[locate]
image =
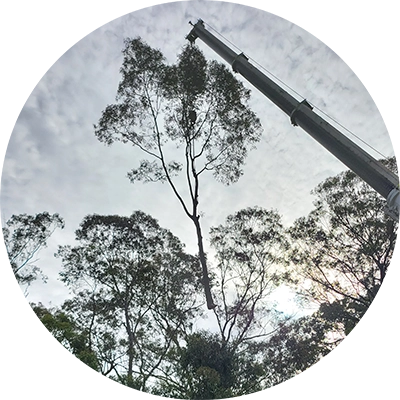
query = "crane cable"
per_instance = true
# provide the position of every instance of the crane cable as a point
(296, 93)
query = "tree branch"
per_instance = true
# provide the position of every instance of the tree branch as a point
(188, 161)
(208, 138)
(162, 159)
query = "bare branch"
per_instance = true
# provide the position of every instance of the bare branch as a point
(188, 161)
(209, 136)
(162, 159)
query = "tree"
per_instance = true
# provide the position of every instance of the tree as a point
(209, 363)
(64, 329)
(24, 236)
(208, 368)
(294, 347)
(194, 107)
(343, 248)
(136, 293)
(250, 250)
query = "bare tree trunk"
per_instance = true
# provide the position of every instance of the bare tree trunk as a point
(131, 341)
(203, 262)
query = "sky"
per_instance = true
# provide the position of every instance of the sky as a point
(54, 162)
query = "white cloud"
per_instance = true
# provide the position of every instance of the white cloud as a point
(56, 164)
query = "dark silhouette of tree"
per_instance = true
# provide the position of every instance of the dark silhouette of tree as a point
(208, 368)
(137, 293)
(294, 347)
(342, 249)
(188, 119)
(250, 249)
(24, 236)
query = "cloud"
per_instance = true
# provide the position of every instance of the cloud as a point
(55, 163)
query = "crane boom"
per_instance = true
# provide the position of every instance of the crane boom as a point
(373, 172)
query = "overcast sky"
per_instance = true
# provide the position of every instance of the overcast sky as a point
(53, 162)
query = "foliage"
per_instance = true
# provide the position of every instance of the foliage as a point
(249, 249)
(342, 249)
(133, 278)
(210, 362)
(187, 119)
(296, 346)
(24, 236)
(208, 368)
(151, 90)
(64, 329)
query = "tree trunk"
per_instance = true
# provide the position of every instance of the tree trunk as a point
(130, 348)
(203, 262)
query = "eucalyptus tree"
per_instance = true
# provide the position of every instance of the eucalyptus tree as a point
(195, 107)
(249, 251)
(24, 236)
(137, 293)
(341, 251)
(250, 248)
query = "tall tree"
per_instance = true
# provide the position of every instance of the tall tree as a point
(250, 250)
(137, 293)
(24, 236)
(195, 106)
(343, 248)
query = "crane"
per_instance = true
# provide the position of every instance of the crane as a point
(301, 114)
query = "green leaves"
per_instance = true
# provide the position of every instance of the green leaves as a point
(255, 233)
(65, 330)
(196, 108)
(296, 346)
(249, 249)
(154, 105)
(213, 369)
(192, 68)
(131, 278)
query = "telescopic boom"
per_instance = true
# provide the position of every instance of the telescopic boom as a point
(301, 114)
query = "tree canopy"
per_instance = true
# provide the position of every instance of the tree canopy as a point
(24, 236)
(136, 304)
(341, 251)
(197, 106)
(249, 248)
(136, 291)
